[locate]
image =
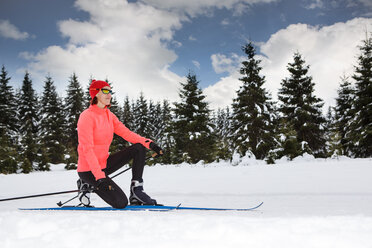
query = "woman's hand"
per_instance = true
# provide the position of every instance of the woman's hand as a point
(157, 149)
(104, 184)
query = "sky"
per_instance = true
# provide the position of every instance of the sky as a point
(150, 46)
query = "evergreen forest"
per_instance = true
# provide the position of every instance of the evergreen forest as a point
(39, 129)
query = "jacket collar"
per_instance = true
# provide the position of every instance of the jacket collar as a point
(97, 109)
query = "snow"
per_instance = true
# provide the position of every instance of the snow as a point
(308, 202)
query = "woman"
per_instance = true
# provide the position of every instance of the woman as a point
(96, 127)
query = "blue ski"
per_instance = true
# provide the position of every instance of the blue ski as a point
(128, 208)
(220, 209)
(144, 208)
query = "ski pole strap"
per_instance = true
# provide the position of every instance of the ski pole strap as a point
(39, 195)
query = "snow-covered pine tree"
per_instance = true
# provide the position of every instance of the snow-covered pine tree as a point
(153, 122)
(333, 146)
(193, 127)
(344, 115)
(74, 105)
(301, 109)
(117, 142)
(140, 116)
(127, 117)
(8, 156)
(8, 107)
(28, 119)
(222, 122)
(8, 125)
(362, 126)
(155, 125)
(87, 98)
(289, 145)
(52, 124)
(252, 125)
(165, 136)
(116, 108)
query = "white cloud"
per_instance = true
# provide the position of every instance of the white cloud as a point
(124, 42)
(283, 17)
(10, 31)
(331, 51)
(367, 7)
(192, 38)
(222, 63)
(176, 44)
(127, 42)
(225, 22)
(315, 4)
(196, 64)
(223, 92)
(366, 3)
(195, 7)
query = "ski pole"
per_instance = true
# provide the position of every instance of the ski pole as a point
(63, 192)
(39, 195)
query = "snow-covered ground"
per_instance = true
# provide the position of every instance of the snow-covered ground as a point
(307, 203)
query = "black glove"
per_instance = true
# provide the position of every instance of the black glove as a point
(157, 149)
(105, 184)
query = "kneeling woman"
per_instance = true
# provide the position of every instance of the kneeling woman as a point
(96, 127)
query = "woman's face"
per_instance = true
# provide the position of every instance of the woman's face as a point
(103, 98)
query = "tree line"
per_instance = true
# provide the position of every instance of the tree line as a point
(39, 130)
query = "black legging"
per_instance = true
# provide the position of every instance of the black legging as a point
(117, 198)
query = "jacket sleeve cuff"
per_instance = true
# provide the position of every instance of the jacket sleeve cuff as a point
(98, 174)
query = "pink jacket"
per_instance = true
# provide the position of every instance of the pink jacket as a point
(96, 128)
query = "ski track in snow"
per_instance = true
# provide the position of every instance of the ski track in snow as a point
(307, 203)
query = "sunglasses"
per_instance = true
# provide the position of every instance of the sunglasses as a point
(105, 91)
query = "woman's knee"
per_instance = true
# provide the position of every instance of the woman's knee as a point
(122, 203)
(139, 148)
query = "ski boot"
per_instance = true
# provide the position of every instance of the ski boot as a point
(138, 196)
(84, 192)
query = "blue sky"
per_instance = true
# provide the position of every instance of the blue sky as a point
(150, 45)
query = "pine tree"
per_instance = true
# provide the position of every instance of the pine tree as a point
(74, 102)
(302, 110)
(222, 122)
(8, 155)
(165, 137)
(333, 146)
(117, 143)
(289, 145)
(87, 97)
(28, 118)
(155, 125)
(52, 125)
(193, 136)
(8, 106)
(252, 110)
(152, 120)
(344, 115)
(140, 116)
(8, 125)
(362, 126)
(127, 116)
(115, 108)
